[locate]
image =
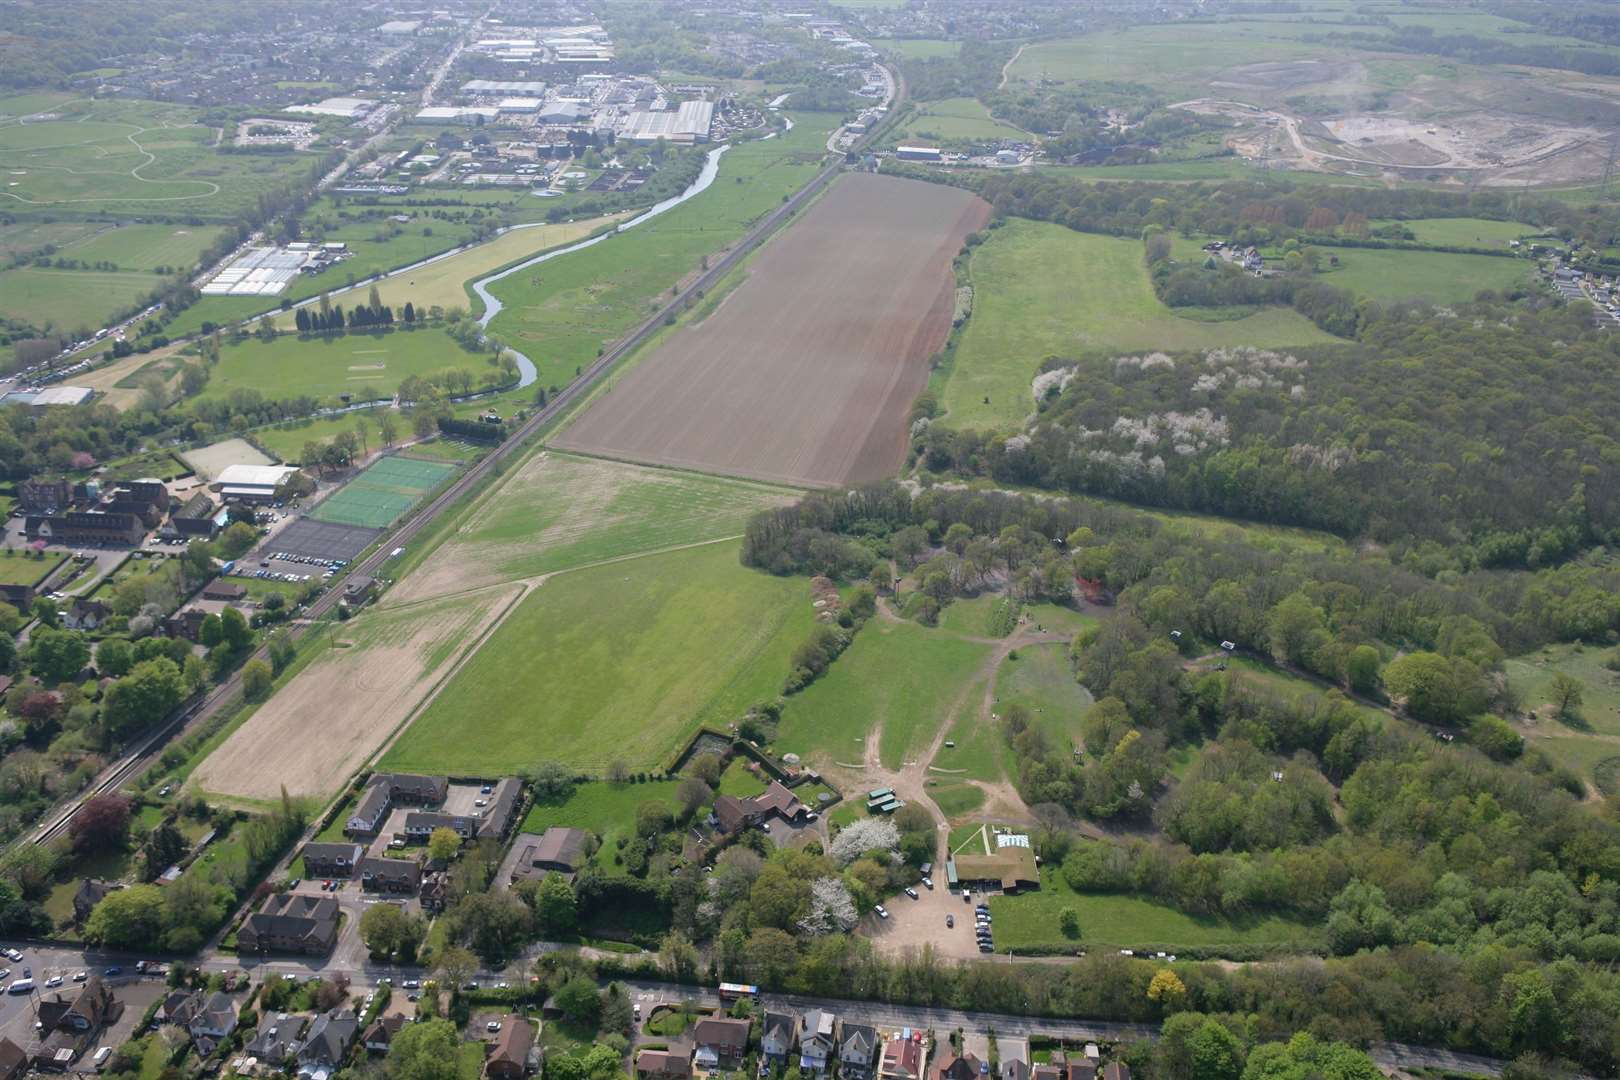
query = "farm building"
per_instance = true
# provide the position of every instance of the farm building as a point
(253, 483)
(918, 153)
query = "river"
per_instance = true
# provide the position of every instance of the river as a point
(492, 307)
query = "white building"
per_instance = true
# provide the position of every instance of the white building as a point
(252, 483)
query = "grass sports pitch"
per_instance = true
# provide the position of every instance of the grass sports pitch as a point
(383, 492)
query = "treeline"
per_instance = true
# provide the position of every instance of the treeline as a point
(973, 72)
(1478, 50)
(1258, 212)
(1404, 438)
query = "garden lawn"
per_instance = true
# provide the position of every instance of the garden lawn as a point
(614, 663)
(737, 781)
(25, 570)
(563, 312)
(604, 808)
(1041, 290)
(364, 365)
(901, 676)
(1437, 276)
(1030, 920)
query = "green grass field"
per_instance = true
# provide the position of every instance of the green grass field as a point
(26, 237)
(1030, 920)
(739, 782)
(146, 247)
(70, 300)
(605, 808)
(905, 677)
(1042, 681)
(617, 662)
(1468, 232)
(286, 440)
(921, 48)
(1042, 290)
(1172, 56)
(120, 156)
(562, 312)
(1532, 675)
(25, 570)
(381, 493)
(364, 365)
(1437, 276)
(560, 511)
(954, 119)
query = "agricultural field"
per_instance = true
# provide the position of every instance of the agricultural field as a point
(379, 495)
(954, 119)
(146, 247)
(71, 300)
(901, 677)
(1178, 58)
(559, 511)
(618, 662)
(562, 312)
(127, 157)
(1030, 920)
(25, 237)
(1043, 290)
(443, 283)
(364, 365)
(333, 715)
(805, 372)
(1439, 277)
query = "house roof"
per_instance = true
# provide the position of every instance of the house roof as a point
(724, 1032)
(384, 1028)
(777, 799)
(330, 1037)
(401, 871)
(560, 845)
(857, 1038)
(218, 1012)
(782, 1025)
(902, 1057)
(12, 1057)
(677, 1059)
(732, 812)
(514, 1041)
(333, 852)
(1011, 866)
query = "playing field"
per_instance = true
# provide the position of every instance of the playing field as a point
(61, 152)
(614, 663)
(69, 300)
(805, 373)
(1043, 290)
(562, 312)
(956, 119)
(560, 511)
(381, 493)
(366, 366)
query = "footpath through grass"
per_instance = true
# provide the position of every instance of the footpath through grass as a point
(561, 313)
(1043, 290)
(614, 663)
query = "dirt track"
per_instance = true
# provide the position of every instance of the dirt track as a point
(333, 715)
(804, 375)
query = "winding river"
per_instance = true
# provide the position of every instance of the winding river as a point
(492, 306)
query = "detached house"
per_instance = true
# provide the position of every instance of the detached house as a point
(380, 1035)
(719, 1041)
(279, 1037)
(958, 1067)
(215, 1018)
(327, 1043)
(858, 1049)
(818, 1040)
(509, 1056)
(779, 1034)
(672, 1064)
(902, 1059)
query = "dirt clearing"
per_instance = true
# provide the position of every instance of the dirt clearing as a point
(315, 731)
(806, 374)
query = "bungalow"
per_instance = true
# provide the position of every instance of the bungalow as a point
(380, 1035)
(391, 875)
(279, 1037)
(857, 1049)
(818, 1040)
(719, 1041)
(902, 1059)
(732, 813)
(509, 1056)
(228, 591)
(332, 860)
(327, 1044)
(779, 1034)
(672, 1064)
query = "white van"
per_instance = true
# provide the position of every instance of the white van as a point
(101, 1056)
(21, 986)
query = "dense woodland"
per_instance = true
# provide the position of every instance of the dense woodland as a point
(1341, 808)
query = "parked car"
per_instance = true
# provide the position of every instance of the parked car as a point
(950, 922)
(493, 1025)
(928, 883)
(911, 892)
(882, 912)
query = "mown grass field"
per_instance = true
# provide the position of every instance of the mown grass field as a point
(146, 247)
(905, 677)
(444, 283)
(365, 365)
(287, 440)
(559, 511)
(69, 300)
(1169, 56)
(1030, 920)
(614, 663)
(127, 157)
(25, 570)
(1437, 276)
(1468, 232)
(955, 118)
(23, 237)
(562, 312)
(1043, 290)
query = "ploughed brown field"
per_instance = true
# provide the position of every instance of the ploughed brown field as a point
(806, 372)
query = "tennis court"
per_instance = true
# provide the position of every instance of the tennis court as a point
(383, 492)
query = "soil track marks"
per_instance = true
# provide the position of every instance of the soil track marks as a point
(808, 377)
(334, 714)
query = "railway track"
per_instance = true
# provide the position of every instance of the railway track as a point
(196, 713)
